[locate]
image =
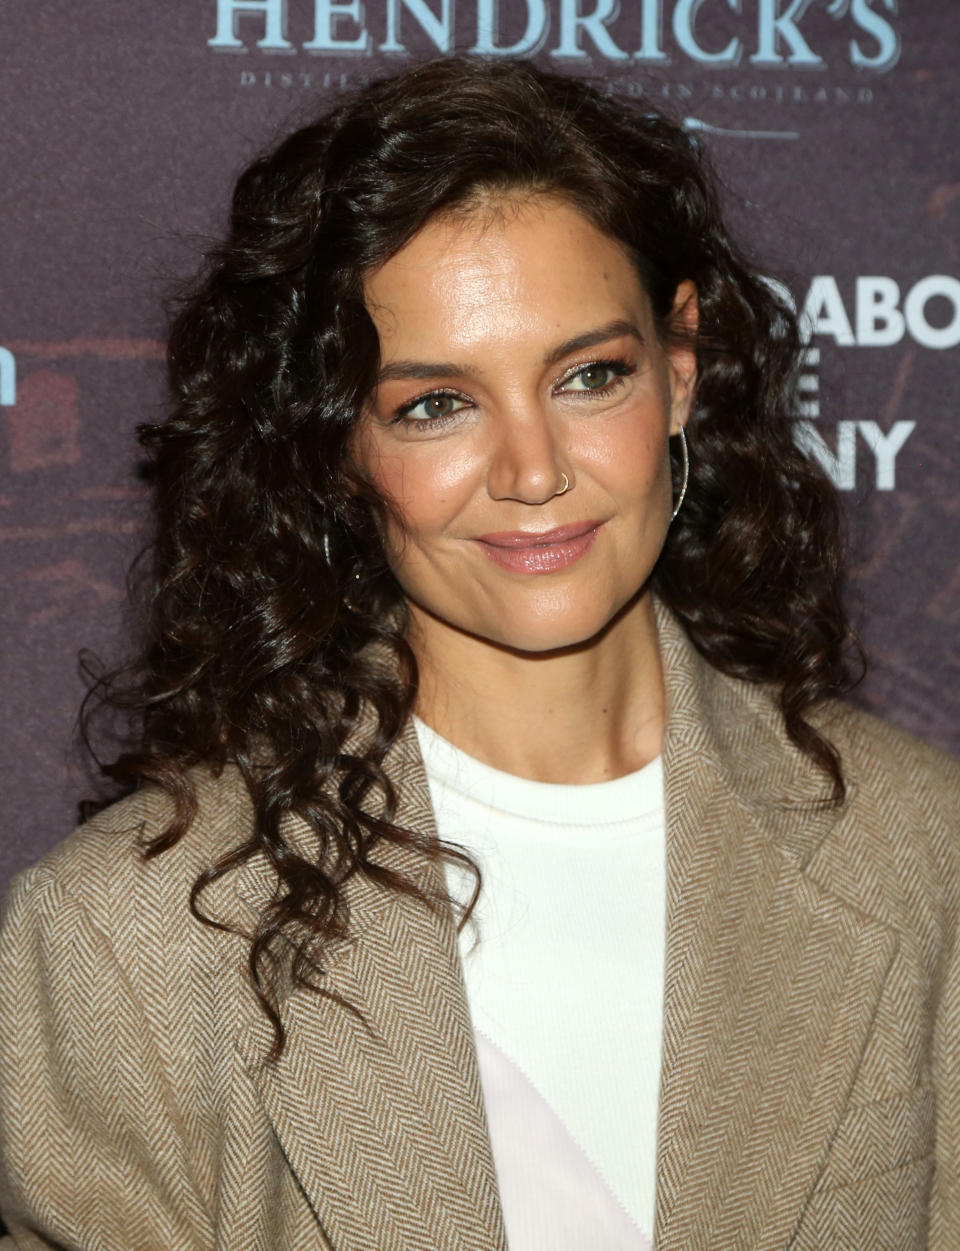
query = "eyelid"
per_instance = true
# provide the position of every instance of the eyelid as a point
(620, 365)
(401, 412)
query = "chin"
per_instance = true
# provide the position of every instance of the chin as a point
(563, 633)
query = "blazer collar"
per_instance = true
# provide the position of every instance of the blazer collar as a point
(382, 1120)
(771, 984)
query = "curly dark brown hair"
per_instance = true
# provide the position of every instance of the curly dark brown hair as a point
(269, 584)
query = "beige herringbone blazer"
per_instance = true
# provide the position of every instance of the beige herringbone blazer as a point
(810, 1090)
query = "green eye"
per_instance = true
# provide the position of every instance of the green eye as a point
(431, 408)
(595, 376)
(438, 405)
(599, 376)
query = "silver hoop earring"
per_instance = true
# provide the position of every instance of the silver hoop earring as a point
(566, 486)
(686, 472)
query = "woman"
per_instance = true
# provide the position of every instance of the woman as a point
(434, 568)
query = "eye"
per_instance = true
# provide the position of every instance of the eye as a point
(599, 377)
(431, 410)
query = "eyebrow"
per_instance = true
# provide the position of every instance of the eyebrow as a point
(449, 369)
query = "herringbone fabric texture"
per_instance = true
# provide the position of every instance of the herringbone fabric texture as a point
(810, 1084)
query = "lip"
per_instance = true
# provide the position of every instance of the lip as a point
(543, 538)
(521, 551)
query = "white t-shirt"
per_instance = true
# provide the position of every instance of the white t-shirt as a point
(564, 976)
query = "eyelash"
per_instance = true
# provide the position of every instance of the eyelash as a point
(619, 367)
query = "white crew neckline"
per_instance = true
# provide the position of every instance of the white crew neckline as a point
(625, 799)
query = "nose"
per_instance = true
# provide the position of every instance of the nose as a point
(525, 459)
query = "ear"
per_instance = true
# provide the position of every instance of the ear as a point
(682, 353)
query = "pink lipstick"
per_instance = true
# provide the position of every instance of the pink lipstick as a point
(523, 551)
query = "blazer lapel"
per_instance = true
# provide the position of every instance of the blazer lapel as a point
(384, 1126)
(771, 983)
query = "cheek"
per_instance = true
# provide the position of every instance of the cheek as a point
(428, 488)
(628, 454)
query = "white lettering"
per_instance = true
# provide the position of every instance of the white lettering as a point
(8, 377)
(915, 306)
(651, 32)
(339, 26)
(593, 24)
(878, 28)
(885, 448)
(879, 320)
(774, 26)
(327, 16)
(878, 317)
(823, 312)
(438, 29)
(684, 18)
(488, 29)
(275, 22)
(840, 466)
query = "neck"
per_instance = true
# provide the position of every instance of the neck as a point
(584, 714)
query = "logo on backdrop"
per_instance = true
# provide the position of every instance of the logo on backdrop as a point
(880, 314)
(739, 43)
(768, 34)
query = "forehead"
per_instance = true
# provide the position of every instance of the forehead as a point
(516, 266)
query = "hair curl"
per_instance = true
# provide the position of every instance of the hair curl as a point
(269, 582)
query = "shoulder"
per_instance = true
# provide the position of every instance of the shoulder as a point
(713, 713)
(883, 765)
(892, 769)
(101, 870)
(106, 972)
(894, 849)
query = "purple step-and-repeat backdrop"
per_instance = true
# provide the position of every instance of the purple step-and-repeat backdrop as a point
(833, 123)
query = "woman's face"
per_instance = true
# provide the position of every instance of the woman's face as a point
(518, 351)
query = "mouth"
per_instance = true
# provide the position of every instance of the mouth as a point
(546, 551)
(543, 538)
